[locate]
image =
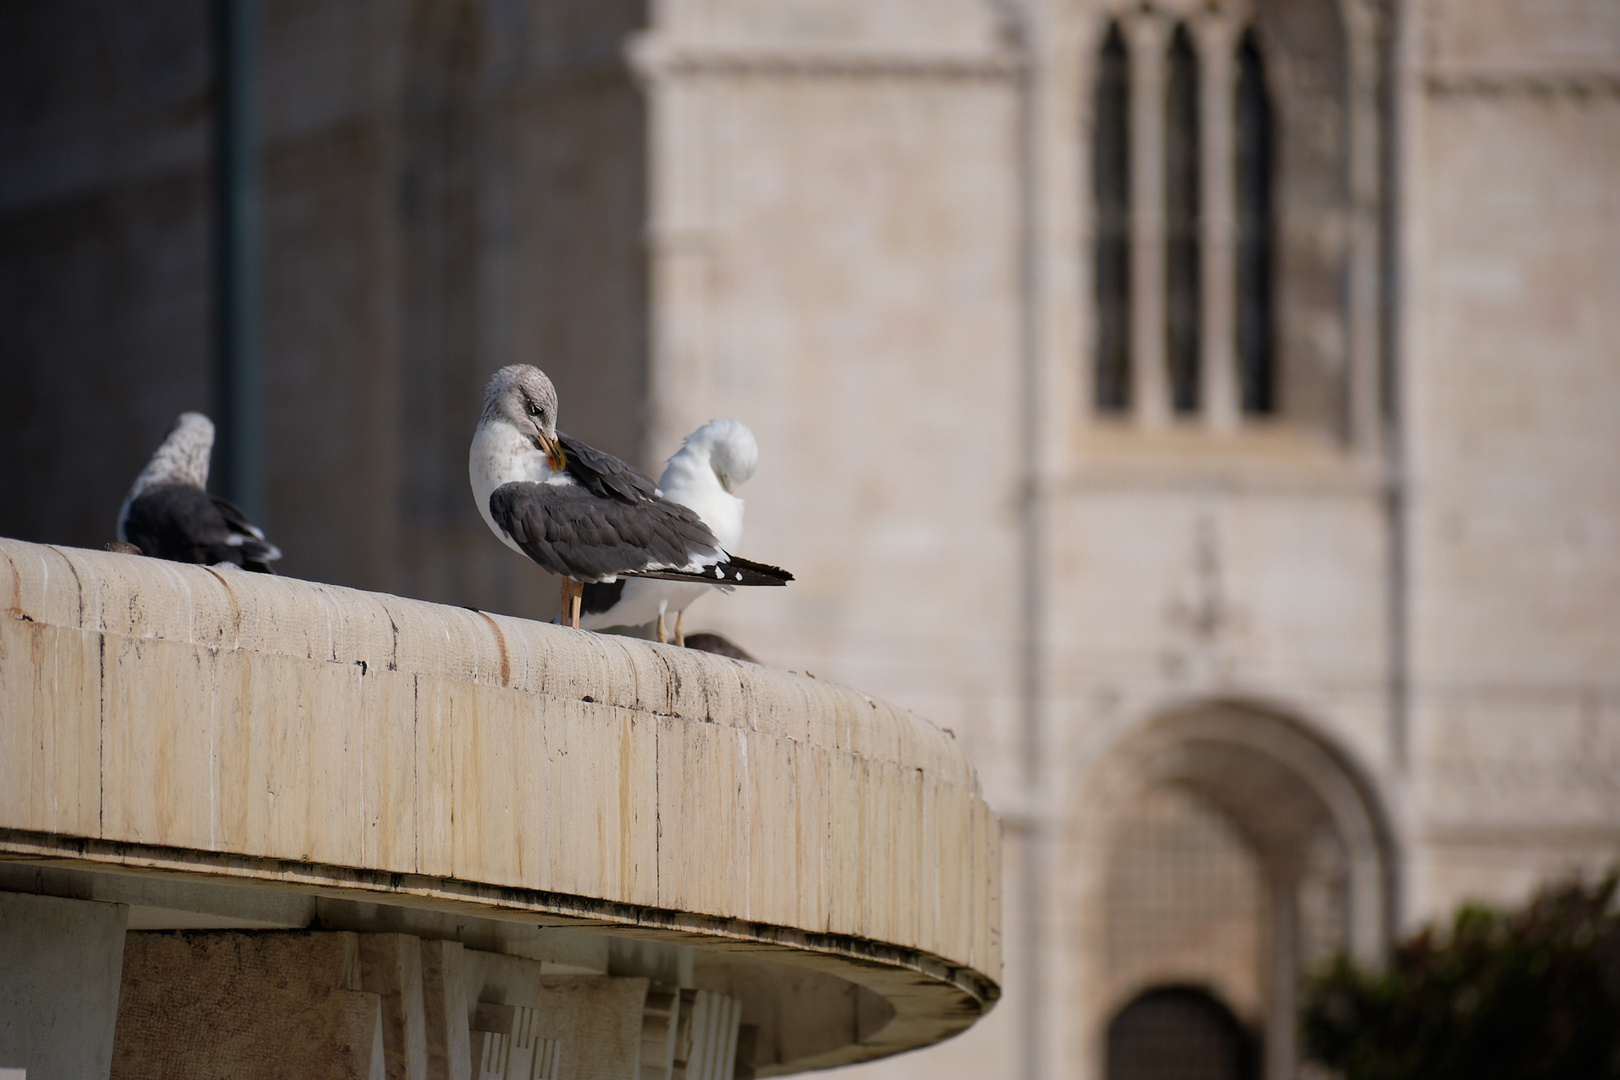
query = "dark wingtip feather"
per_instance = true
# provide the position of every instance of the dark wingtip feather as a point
(730, 573)
(781, 576)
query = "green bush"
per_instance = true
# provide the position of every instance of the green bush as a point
(1532, 994)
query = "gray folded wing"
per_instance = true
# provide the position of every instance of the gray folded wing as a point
(572, 531)
(603, 474)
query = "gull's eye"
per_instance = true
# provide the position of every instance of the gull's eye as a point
(534, 410)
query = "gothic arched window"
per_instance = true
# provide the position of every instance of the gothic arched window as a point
(1184, 285)
(1252, 113)
(1182, 221)
(1111, 180)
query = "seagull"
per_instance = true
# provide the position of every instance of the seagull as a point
(720, 646)
(580, 512)
(711, 464)
(169, 514)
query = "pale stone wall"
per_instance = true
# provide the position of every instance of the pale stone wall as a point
(840, 275)
(1513, 383)
(1408, 567)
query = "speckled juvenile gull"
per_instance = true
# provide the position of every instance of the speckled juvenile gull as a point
(169, 514)
(579, 512)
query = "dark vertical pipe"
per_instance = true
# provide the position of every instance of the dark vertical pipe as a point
(236, 253)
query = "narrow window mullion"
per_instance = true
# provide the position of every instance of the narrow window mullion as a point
(1219, 288)
(1149, 382)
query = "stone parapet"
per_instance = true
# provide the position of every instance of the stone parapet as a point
(212, 726)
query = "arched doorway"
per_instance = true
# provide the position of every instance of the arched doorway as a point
(1232, 848)
(1178, 1033)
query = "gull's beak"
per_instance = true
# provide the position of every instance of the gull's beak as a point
(554, 451)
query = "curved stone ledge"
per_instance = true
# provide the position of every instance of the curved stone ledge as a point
(197, 723)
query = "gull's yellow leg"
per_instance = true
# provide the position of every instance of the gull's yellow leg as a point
(680, 632)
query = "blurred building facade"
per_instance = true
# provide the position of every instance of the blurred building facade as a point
(1207, 411)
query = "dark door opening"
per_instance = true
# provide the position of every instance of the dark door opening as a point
(1178, 1033)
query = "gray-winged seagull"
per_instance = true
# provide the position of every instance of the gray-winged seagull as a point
(169, 514)
(579, 512)
(703, 476)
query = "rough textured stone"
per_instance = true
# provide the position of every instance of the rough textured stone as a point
(235, 1004)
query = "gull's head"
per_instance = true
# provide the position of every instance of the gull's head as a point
(733, 454)
(521, 395)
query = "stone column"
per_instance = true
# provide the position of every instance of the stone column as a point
(1147, 35)
(1281, 1049)
(1369, 930)
(1218, 225)
(61, 963)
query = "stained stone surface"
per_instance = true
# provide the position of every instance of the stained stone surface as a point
(823, 850)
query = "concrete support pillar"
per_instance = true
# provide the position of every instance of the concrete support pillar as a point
(1281, 1049)
(391, 967)
(60, 966)
(1150, 392)
(1218, 226)
(1369, 913)
(444, 998)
